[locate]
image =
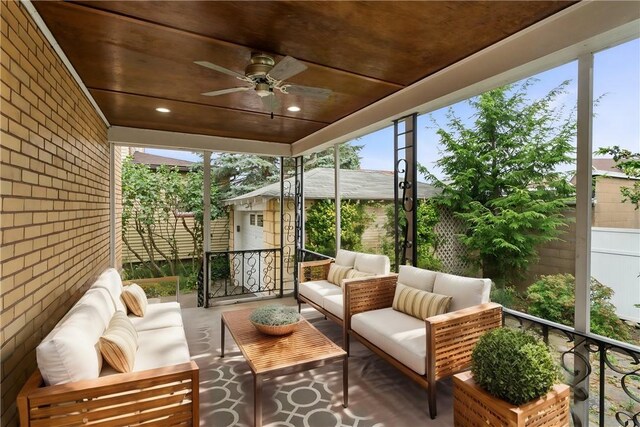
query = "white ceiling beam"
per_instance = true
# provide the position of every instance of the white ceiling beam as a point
(137, 137)
(588, 26)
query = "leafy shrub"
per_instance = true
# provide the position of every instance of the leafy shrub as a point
(506, 296)
(321, 230)
(275, 315)
(553, 298)
(513, 366)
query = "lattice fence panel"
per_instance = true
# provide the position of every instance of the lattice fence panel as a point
(450, 251)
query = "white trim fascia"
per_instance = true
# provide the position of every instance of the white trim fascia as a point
(585, 27)
(56, 47)
(137, 137)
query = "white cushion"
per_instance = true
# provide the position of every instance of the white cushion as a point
(334, 304)
(70, 352)
(158, 316)
(156, 349)
(401, 336)
(418, 278)
(161, 347)
(316, 290)
(344, 257)
(100, 300)
(111, 281)
(466, 291)
(370, 263)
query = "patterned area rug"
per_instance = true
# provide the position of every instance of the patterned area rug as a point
(378, 394)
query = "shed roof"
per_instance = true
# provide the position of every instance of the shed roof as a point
(154, 161)
(358, 184)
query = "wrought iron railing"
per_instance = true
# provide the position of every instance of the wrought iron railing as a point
(242, 273)
(307, 255)
(617, 365)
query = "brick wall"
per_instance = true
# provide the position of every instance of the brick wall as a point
(55, 196)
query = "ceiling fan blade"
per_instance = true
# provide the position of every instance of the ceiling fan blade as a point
(222, 70)
(225, 91)
(308, 91)
(286, 68)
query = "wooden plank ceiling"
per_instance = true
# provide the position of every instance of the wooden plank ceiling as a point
(135, 56)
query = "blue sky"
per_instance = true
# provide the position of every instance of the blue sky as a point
(617, 120)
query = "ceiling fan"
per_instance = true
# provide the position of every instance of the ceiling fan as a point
(264, 77)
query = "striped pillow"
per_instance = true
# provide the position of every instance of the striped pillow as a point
(135, 299)
(355, 274)
(418, 303)
(337, 273)
(119, 343)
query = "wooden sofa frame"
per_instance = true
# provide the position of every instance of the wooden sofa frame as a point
(167, 396)
(451, 337)
(319, 270)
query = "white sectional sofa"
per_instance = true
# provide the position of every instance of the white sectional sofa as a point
(71, 381)
(314, 288)
(426, 349)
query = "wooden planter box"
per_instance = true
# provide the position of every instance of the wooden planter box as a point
(473, 407)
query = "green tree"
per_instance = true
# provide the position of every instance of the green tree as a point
(148, 200)
(321, 230)
(349, 158)
(154, 203)
(629, 164)
(502, 179)
(238, 174)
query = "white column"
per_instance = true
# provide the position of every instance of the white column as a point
(112, 205)
(583, 215)
(336, 158)
(206, 191)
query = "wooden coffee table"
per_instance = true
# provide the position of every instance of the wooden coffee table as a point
(273, 356)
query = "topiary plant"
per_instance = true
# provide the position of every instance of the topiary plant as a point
(275, 315)
(513, 366)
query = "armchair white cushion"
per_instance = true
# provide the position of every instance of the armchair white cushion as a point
(417, 277)
(466, 291)
(315, 291)
(344, 257)
(374, 264)
(401, 336)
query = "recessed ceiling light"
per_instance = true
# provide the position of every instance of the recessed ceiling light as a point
(294, 108)
(163, 110)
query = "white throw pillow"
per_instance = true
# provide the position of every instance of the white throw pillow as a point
(466, 291)
(418, 278)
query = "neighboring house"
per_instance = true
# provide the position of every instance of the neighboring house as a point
(219, 227)
(256, 215)
(154, 161)
(608, 209)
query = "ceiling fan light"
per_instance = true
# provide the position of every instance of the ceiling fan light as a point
(293, 108)
(263, 89)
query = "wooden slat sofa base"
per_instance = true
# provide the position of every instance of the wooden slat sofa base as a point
(167, 396)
